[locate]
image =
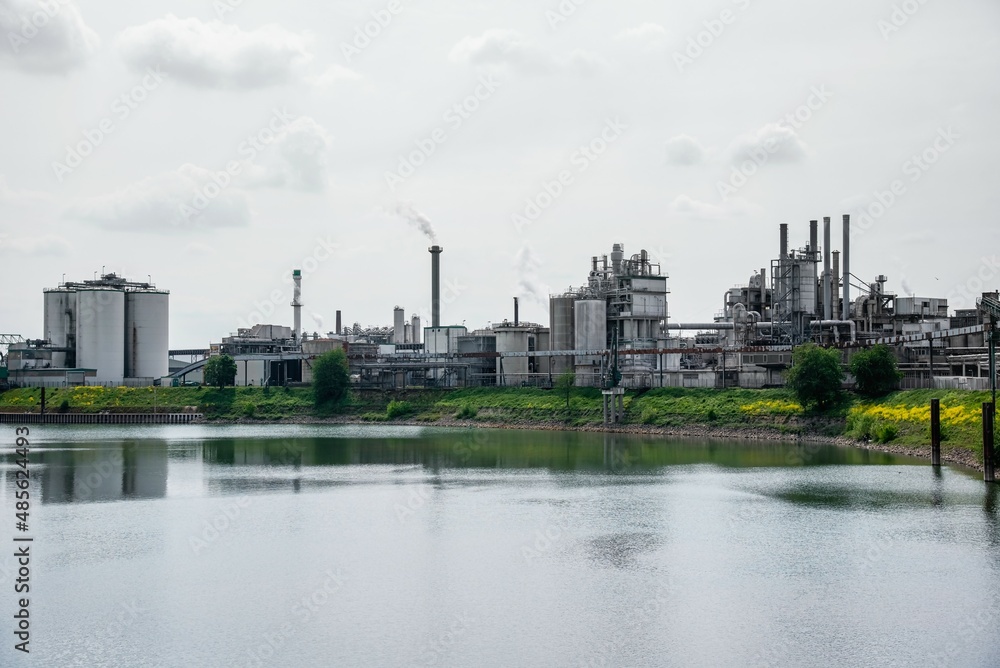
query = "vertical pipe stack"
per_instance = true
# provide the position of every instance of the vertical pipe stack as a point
(297, 304)
(847, 266)
(836, 281)
(516, 314)
(827, 296)
(435, 252)
(935, 432)
(783, 248)
(814, 237)
(763, 293)
(338, 330)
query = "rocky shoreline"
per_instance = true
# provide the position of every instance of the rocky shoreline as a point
(956, 456)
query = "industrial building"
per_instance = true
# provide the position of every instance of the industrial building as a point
(612, 329)
(108, 331)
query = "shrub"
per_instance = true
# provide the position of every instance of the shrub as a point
(248, 409)
(331, 378)
(64, 406)
(711, 415)
(466, 412)
(860, 426)
(397, 409)
(885, 432)
(649, 416)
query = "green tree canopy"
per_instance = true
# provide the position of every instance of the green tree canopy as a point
(875, 371)
(220, 371)
(331, 377)
(816, 376)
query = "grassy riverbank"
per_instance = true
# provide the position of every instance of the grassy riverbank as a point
(901, 419)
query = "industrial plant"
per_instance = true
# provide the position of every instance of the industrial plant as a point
(611, 330)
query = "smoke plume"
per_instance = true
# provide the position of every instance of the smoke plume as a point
(418, 220)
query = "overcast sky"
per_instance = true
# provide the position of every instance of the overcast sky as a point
(217, 146)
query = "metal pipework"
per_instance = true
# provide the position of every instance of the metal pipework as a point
(517, 319)
(836, 282)
(783, 247)
(847, 265)
(435, 252)
(297, 304)
(827, 291)
(763, 290)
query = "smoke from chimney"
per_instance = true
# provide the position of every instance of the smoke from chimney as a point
(418, 220)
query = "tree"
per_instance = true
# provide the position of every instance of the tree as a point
(331, 377)
(565, 384)
(220, 370)
(816, 376)
(875, 371)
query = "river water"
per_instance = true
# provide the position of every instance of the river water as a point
(407, 546)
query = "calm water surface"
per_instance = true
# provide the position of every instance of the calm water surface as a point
(374, 546)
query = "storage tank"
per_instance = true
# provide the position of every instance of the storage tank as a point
(415, 328)
(807, 287)
(398, 326)
(100, 333)
(513, 340)
(561, 331)
(60, 323)
(147, 327)
(590, 327)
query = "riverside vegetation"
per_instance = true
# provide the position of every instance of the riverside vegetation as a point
(900, 418)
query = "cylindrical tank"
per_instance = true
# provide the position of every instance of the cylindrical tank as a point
(561, 334)
(513, 340)
(415, 328)
(398, 326)
(147, 330)
(807, 286)
(100, 333)
(590, 326)
(617, 254)
(60, 322)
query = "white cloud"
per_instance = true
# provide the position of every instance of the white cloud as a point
(185, 198)
(46, 37)
(509, 48)
(734, 207)
(216, 54)
(332, 75)
(47, 244)
(773, 143)
(296, 158)
(8, 194)
(684, 150)
(651, 36)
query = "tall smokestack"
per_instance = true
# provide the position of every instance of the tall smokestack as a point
(814, 238)
(297, 304)
(763, 292)
(517, 319)
(783, 248)
(847, 266)
(836, 282)
(435, 252)
(338, 330)
(827, 292)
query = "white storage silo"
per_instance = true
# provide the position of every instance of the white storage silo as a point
(59, 322)
(147, 323)
(561, 331)
(100, 333)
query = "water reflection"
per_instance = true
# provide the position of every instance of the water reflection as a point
(108, 471)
